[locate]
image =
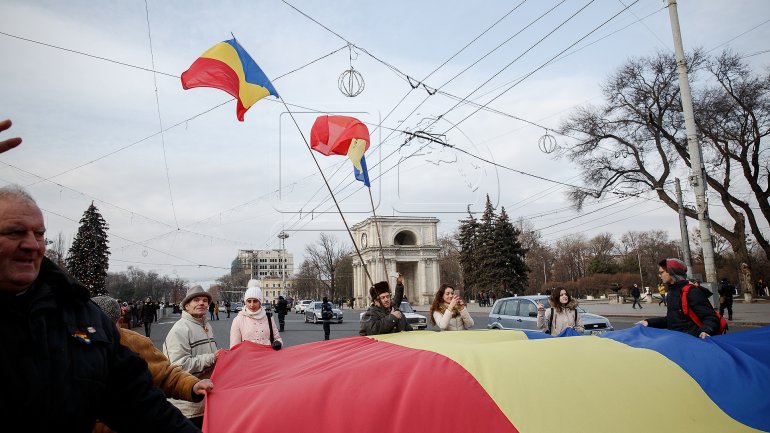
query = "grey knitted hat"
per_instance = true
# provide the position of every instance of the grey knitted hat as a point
(109, 306)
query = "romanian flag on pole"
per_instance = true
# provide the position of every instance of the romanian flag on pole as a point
(342, 135)
(227, 66)
(638, 380)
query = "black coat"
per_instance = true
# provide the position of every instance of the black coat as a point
(676, 320)
(282, 308)
(377, 320)
(635, 292)
(64, 366)
(727, 291)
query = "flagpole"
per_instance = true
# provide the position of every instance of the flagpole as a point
(379, 237)
(352, 239)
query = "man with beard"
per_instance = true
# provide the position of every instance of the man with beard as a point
(383, 316)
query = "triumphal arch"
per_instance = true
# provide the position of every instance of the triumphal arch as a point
(409, 246)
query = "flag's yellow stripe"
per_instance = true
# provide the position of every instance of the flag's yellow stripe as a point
(249, 93)
(356, 151)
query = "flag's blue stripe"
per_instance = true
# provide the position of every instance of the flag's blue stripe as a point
(732, 369)
(363, 176)
(251, 71)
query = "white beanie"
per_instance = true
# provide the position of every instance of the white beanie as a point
(253, 291)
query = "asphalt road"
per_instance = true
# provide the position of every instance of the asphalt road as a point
(299, 332)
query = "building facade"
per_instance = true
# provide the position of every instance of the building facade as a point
(260, 264)
(409, 246)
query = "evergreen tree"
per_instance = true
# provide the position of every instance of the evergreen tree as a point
(87, 259)
(466, 237)
(510, 269)
(487, 273)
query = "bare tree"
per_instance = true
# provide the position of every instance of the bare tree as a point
(636, 140)
(450, 271)
(56, 249)
(571, 258)
(306, 281)
(325, 257)
(540, 257)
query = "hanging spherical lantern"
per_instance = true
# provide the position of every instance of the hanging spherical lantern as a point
(547, 143)
(351, 83)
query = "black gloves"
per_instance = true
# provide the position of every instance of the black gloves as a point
(276, 345)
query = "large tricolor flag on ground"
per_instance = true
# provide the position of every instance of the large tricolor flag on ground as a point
(638, 380)
(342, 135)
(227, 66)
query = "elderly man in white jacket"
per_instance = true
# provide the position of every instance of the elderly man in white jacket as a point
(190, 344)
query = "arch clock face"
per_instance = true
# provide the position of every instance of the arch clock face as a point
(364, 242)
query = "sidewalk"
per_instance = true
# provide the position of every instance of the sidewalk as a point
(754, 314)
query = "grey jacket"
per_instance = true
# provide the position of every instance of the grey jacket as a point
(190, 344)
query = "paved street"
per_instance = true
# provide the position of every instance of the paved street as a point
(746, 316)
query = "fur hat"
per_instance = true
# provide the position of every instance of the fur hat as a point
(674, 267)
(378, 289)
(194, 292)
(109, 306)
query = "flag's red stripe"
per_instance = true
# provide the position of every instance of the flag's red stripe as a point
(206, 72)
(353, 384)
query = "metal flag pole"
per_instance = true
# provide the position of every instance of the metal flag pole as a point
(352, 239)
(379, 237)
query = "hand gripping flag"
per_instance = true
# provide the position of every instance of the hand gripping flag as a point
(342, 135)
(227, 66)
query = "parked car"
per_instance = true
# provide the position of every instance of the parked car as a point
(417, 321)
(313, 313)
(520, 312)
(300, 306)
(236, 307)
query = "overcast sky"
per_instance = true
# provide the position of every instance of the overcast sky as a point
(77, 82)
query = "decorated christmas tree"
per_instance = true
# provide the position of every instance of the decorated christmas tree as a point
(88, 256)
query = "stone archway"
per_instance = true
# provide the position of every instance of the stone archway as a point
(409, 246)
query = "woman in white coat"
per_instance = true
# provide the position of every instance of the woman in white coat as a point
(252, 323)
(448, 310)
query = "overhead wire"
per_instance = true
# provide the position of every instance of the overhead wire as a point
(572, 45)
(160, 118)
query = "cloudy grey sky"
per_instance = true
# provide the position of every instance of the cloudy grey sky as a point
(77, 81)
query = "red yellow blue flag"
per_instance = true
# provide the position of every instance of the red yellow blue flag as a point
(500, 381)
(342, 135)
(227, 66)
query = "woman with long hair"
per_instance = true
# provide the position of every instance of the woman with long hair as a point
(562, 314)
(448, 310)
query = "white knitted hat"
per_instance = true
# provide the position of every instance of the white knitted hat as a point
(253, 291)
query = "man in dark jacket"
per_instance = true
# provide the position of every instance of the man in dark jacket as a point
(282, 309)
(673, 272)
(149, 315)
(383, 316)
(635, 294)
(726, 292)
(326, 315)
(63, 363)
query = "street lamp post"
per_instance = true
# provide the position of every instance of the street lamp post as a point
(282, 236)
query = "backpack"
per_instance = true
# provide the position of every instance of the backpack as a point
(550, 321)
(694, 317)
(326, 312)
